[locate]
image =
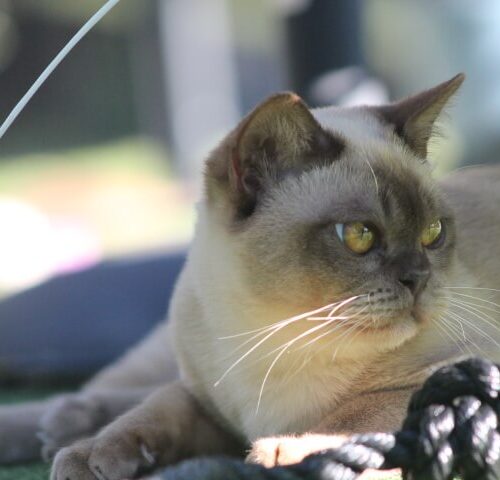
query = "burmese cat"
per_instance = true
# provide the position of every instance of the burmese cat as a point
(328, 276)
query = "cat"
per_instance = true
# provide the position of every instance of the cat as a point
(329, 275)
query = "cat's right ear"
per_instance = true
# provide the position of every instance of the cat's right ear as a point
(279, 135)
(413, 118)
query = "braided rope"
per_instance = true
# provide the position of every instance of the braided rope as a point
(451, 428)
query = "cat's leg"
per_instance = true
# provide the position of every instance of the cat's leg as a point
(110, 393)
(49, 425)
(372, 412)
(70, 417)
(167, 427)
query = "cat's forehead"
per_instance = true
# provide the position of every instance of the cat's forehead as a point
(373, 180)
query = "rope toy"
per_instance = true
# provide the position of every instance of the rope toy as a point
(451, 428)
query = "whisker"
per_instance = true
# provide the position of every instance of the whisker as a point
(476, 328)
(285, 347)
(263, 330)
(293, 372)
(479, 305)
(455, 317)
(477, 298)
(297, 317)
(331, 331)
(473, 288)
(346, 345)
(282, 325)
(328, 318)
(246, 342)
(474, 311)
(373, 173)
(461, 340)
(308, 332)
(346, 334)
(288, 344)
(260, 342)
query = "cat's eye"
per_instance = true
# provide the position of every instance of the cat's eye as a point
(356, 236)
(432, 235)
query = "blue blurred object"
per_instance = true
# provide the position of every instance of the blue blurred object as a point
(74, 324)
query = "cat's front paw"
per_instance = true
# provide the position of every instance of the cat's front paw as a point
(106, 457)
(286, 450)
(67, 419)
(120, 455)
(71, 463)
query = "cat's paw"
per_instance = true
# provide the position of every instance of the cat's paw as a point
(286, 450)
(71, 463)
(120, 455)
(111, 456)
(67, 419)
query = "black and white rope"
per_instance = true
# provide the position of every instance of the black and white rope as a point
(451, 429)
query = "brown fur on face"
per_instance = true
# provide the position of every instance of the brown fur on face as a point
(286, 237)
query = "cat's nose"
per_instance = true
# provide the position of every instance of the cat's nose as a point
(415, 280)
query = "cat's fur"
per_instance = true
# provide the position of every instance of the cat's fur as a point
(266, 250)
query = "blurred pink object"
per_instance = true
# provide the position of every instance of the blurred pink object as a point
(34, 247)
(74, 247)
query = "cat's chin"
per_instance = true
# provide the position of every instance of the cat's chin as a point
(380, 336)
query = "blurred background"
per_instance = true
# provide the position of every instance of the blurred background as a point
(99, 175)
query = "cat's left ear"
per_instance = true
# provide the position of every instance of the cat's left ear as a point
(414, 117)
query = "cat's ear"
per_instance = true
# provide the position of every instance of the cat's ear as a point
(414, 117)
(280, 135)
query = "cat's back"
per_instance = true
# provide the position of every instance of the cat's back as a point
(480, 180)
(474, 194)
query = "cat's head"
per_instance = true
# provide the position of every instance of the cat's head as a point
(324, 205)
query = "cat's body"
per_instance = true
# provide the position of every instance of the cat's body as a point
(379, 316)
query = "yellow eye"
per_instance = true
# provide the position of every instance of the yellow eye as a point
(356, 236)
(432, 234)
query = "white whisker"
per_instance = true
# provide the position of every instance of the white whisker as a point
(476, 328)
(288, 344)
(474, 298)
(324, 334)
(346, 345)
(282, 324)
(478, 305)
(328, 318)
(301, 316)
(473, 288)
(373, 173)
(285, 347)
(458, 331)
(345, 334)
(250, 351)
(476, 312)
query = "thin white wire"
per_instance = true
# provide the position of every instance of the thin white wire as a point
(96, 18)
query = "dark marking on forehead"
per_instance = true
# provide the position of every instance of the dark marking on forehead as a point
(386, 200)
(403, 199)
